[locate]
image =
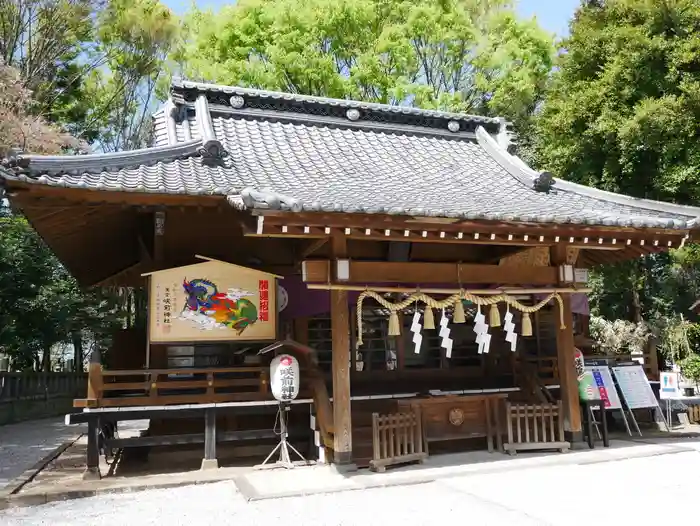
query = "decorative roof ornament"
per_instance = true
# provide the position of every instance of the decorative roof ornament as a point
(353, 114)
(544, 182)
(453, 126)
(236, 101)
(212, 151)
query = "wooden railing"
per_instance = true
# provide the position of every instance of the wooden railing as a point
(108, 388)
(40, 386)
(534, 426)
(396, 439)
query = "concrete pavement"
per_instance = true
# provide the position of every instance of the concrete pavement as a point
(24, 444)
(641, 490)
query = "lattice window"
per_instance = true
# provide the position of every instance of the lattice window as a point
(320, 339)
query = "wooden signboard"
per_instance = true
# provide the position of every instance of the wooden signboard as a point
(212, 301)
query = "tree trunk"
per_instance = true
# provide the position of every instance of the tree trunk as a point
(636, 306)
(46, 359)
(77, 337)
(129, 308)
(140, 307)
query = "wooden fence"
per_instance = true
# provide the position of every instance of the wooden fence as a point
(535, 426)
(694, 414)
(41, 386)
(396, 439)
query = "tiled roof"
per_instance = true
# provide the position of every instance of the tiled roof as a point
(270, 150)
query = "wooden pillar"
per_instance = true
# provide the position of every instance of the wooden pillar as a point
(157, 264)
(301, 330)
(94, 387)
(340, 332)
(565, 355)
(210, 461)
(92, 470)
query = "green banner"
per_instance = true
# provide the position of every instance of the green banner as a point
(587, 387)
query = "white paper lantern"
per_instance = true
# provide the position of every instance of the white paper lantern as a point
(284, 377)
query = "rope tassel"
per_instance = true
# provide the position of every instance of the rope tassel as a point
(455, 300)
(527, 325)
(394, 326)
(494, 316)
(428, 318)
(458, 315)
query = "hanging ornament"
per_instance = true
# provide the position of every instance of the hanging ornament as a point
(428, 319)
(415, 329)
(446, 341)
(494, 316)
(394, 326)
(509, 327)
(458, 314)
(486, 343)
(481, 330)
(527, 325)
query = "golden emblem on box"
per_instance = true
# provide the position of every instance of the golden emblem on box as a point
(456, 416)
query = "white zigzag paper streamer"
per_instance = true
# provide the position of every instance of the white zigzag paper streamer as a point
(509, 327)
(446, 342)
(483, 338)
(416, 329)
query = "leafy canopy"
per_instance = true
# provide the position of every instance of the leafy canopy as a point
(462, 55)
(623, 112)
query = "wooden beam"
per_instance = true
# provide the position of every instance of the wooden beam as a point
(312, 247)
(612, 242)
(319, 271)
(565, 355)
(340, 333)
(380, 222)
(159, 237)
(512, 291)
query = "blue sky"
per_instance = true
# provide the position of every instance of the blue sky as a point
(553, 15)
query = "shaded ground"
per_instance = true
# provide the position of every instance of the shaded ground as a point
(22, 445)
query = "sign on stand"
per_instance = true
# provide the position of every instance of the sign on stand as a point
(669, 386)
(669, 389)
(605, 385)
(607, 391)
(635, 389)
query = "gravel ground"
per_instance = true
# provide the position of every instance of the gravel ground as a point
(22, 445)
(636, 491)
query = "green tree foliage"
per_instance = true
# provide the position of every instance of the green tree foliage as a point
(461, 55)
(92, 65)
(18, 128)
(134, 37)
(623, 110)
(40, 303)
(88, 67)
(623, 114)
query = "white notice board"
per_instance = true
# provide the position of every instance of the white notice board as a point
(669, 386)
(635, 387)
(606, 386)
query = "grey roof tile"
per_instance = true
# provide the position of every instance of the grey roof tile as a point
(295, 165)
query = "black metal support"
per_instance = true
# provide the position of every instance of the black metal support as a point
(588, 421)
(210, 461)
(92, 471)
